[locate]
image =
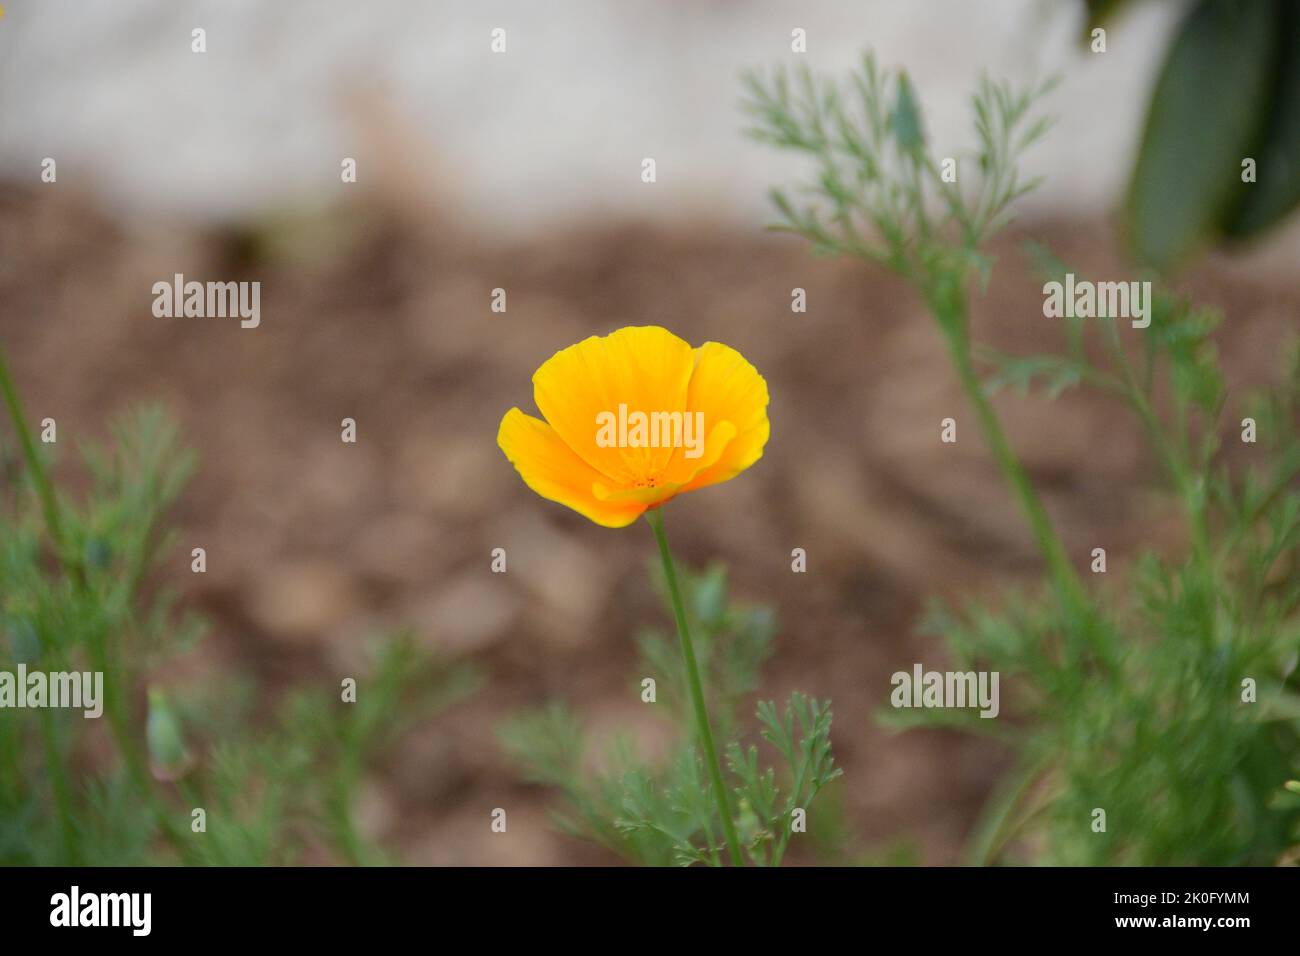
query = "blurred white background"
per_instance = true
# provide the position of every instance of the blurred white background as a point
(553, 130)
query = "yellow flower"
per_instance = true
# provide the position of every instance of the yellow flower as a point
(635, 418)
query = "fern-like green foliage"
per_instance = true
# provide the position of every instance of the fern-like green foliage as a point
(1169, 698)
(76, 593)
(1164, 734)
(662, 812)
(877, 192)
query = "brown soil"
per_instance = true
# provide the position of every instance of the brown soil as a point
(374, 313)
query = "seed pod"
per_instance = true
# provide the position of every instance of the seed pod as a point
(168, 757)
(905, 120)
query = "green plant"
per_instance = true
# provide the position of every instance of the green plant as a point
(1133, 701)
(661, 812)
(76, 594)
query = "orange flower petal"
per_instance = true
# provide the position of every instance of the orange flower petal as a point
(645, 368)
(726, 387)
(554, 471)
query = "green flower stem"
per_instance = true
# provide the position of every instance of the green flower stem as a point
(655, 517)
(999, 826)
(43, 487)
(1071, 591)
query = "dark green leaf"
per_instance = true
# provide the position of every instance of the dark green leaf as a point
(1276, 190)
(1204, 116)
